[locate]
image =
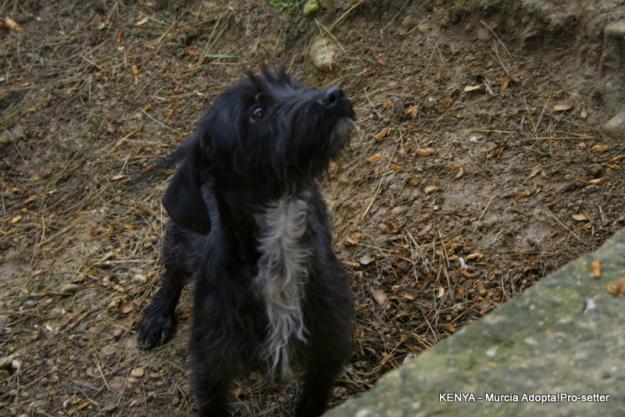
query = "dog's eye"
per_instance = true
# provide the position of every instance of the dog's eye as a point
(258, 113)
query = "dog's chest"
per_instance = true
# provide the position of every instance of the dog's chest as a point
(282, 272)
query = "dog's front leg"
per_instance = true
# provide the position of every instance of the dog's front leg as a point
(159, 321)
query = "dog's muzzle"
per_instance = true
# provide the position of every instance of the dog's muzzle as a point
(333, 99)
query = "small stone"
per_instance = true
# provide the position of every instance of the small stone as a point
(615, 29)
(137, 372)
(364, 413)
(323, 54)
(311, 7)
(615, 127)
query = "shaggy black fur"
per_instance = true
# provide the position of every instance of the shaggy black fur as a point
(264, 139)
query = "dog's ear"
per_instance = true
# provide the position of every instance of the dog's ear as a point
(183, 198)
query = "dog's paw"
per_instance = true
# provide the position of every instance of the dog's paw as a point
(156, 328)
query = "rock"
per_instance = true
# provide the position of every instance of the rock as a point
(546, 340)
(615, 29)
(615, 127)
(311, 7)
(324, 54)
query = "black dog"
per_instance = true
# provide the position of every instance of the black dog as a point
(250, 225)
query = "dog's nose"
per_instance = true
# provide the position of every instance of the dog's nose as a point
(332, 96)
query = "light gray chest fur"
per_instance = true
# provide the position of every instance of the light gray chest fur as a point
(282, 272)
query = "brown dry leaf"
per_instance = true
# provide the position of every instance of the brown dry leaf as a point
(353, 239)
(126, 307)
(470, 88)
(450, 327)
(374, 158)
(134, 70)
(414, 181)
(466, 273)
(394, 167)
(424, 152)
(381, 134)
(616, 287)
(523, 194)
(538, 169)
(12, 24)
(431, 189)
(379, 296)
(459, 172)
(110, 127)
(596, 269)
(473, 256)
(583, 113)
(82, 406)
(118, 177)
(16, 218)
(31, 199)
(365, 260)
(505, 82)
(411, 112)
(579, 217)
(447, 104)
(563, 106)
(600, 148)
(184, 315)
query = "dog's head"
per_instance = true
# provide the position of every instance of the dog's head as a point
(267, 134)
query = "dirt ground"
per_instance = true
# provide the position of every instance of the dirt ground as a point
(478, 168)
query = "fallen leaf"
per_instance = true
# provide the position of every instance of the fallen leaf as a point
(563, 106)
(600, 148)
(381, 134)
(82, 406)
(414, 181)
(473, 256)
(538, 169)
(12, 24)
(379, 296)
(184, 315)
(505, 82)
(394, 167)
(523, 194)
(596, 181)
(579, 217)
(118, 177)
(411, 112)
(583, 113)
(616, 287)
(440, 292)
(447, 104)
(374, 158)
(137, 372)
(424, 152)
(126, 307)
(134, 70)
(16, 218)
(450, 327)
(459, 172)
(353, 239)
(431, 189)
(365, 260)
(596, 269)
(142, 21)
(470, 88)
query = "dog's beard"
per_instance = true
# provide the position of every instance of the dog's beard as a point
(340, 135)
